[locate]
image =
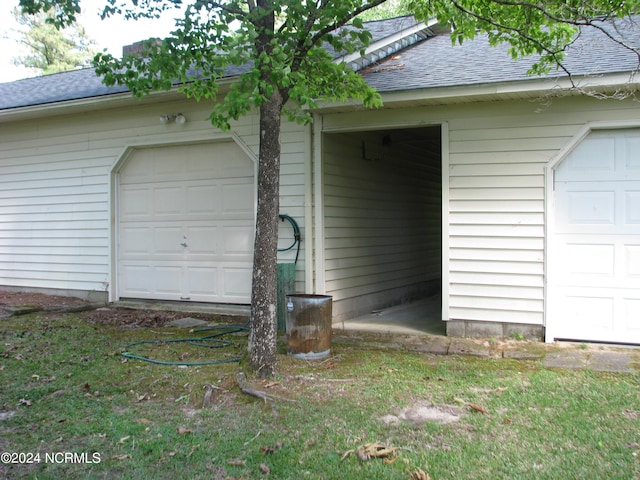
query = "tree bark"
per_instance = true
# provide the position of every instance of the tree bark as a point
(263, 334)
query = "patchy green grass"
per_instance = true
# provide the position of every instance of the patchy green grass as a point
(66, 388)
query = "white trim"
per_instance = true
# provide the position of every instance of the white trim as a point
(444, 152)
(308, 208)
(516, 89)
(386, 41)
(124, 156)
(549, 208)
(318, 200)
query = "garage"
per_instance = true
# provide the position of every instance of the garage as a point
(594, 267)
(186, 223)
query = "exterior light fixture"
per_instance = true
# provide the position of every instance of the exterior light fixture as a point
(178, 118)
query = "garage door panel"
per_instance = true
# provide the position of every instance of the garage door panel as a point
(135, 203)
(202, 201)
(236, 278)
(594, 278)
(237, 199)
(632, 207)
(168, 203)
(632, 315)
(165, 242)
(591, 207)
(588, 259)
(203, 283)
(134, 241)
(203, 240)
(588, 312)
(238, 240)
(186, 224)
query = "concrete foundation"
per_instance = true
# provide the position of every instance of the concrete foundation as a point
(477, 329)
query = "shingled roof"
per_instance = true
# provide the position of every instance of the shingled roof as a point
(429, 61)
(436, 62)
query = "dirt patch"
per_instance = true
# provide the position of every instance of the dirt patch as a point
(10, 302)
(139, 318)
(19, 299)
(423, 412)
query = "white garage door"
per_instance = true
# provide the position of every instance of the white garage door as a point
(186, 224)
(594, 280)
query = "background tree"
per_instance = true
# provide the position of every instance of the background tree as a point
(50, 49)
(389, 9)
(282, 49)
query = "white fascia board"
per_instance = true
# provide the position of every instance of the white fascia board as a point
(624, 81)
(112, 100)
(390, 40)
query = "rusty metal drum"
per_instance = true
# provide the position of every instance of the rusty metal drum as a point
(308, 325)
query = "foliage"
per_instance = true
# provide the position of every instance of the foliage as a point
(52, 50)
(210, 41)
(543, 28)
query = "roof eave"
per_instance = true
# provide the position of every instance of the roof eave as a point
(615, 85)
(108, 101)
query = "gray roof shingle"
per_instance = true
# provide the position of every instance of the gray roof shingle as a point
(434, 62)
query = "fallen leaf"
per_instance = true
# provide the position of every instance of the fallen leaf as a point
(371, 450)
(121, 457)
(144, 421)
(237, 462)
(477, 408)
(271, 384)
(25, 402)
(264, 469)
(124, 439)
(182, 430)
(419, 474)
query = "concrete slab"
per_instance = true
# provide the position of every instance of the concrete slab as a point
(461, 346)
(434, 345)
(521, 355)
(566, 359)
(421, 317)
(610, 362)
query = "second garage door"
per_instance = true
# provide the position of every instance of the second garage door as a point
(186, 224)
(594, 277)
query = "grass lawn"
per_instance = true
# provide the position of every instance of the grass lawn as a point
(76, 408)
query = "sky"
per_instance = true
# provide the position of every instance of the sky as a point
(110, 34)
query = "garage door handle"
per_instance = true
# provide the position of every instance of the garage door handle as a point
(184, 244)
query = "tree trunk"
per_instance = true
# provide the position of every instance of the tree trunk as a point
(263, 335)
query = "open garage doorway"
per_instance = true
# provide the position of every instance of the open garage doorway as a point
(383, 227)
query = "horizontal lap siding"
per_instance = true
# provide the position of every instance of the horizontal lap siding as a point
(381, 216)
(497, 155)
(496, 208)
(496, 219)
(55, 187)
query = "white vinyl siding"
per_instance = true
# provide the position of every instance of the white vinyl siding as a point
(56, 186)
(498, 152)
(382, 217)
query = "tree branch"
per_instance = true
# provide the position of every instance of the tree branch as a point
(517, 31)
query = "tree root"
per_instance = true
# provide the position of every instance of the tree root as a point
(249, 390)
